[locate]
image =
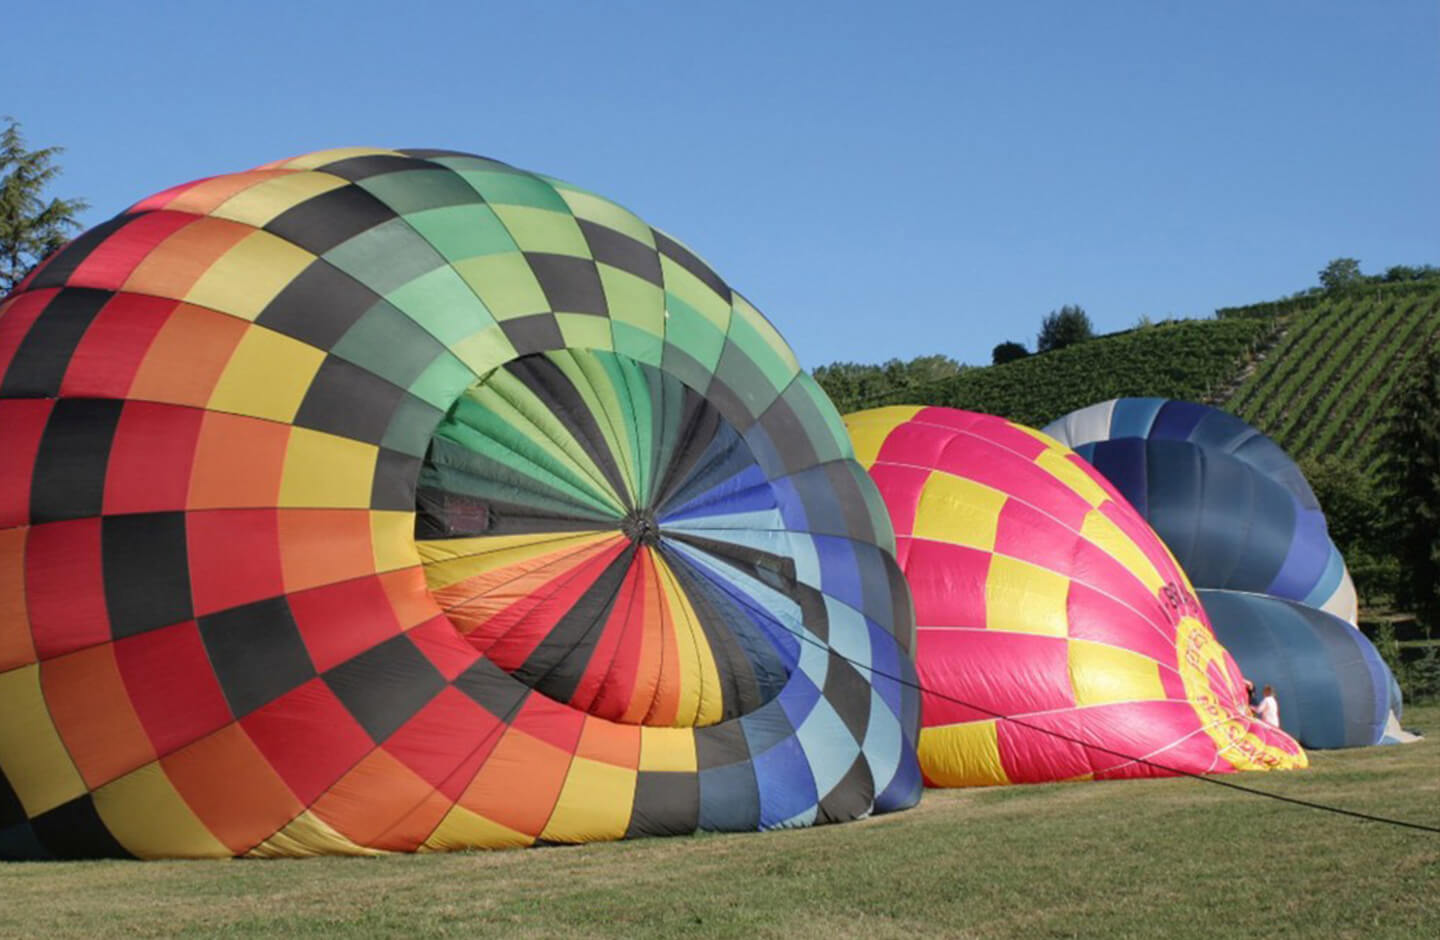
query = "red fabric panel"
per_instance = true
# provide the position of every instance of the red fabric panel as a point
(551, 722)
(22, 424)
(901, 488)
(16, 318)
(111, 262)
(109, 354)
(172, 685)
(1094, 615)
(1006, 673)
(608, 685)
(446, 741)
(150, 458)
(947, 582)
(234, 557)
(65, 588)
(309, 738)
(443, 645)
(341, 620)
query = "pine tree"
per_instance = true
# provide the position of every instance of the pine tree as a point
(30, 227)
(1411, 475)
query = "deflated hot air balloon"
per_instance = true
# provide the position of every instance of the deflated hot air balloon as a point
(398, 500)
(1057, 639)
(1334, 689)
(1231, 505)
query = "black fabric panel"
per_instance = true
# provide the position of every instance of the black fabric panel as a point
(257, 653)
(744, 379)
(851, 798)
(12, 811)
(69, 258)
(327, 220)
(45, 352)
(318, 306)
(348, 401)
(359, 168)
(789, 437)
(849, 694)
(571, 285)
(812, 610)
(667, 803)
(69, 476)
(146, 571)
(492, 689)
(685, 367)
(533, 334)
(74, 830)
(720, 745)
(557, 664)
(621, 251)
(681, 255)
(394, 484)
(545, 379)
(385, 686)
(841, 475)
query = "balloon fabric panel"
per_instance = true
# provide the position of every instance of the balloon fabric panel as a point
(385, 500)
(1049, 614)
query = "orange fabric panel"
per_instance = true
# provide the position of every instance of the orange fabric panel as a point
(382, 804)
(526, 809)
(322, 546)
(237, 462)
(186, 357)
(230, 786)
(92, 711)
(173, 268)
(16, 646)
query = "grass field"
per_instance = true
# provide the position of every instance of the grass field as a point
(1155, 857)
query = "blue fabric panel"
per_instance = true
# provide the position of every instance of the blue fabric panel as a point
(1176, 419)
(1132, 417)
(1329, 579)
(729, 798)
(1308, 554)
(904, 788)
(1123, 463)
(798, 698)
(839, 571)
(787, 788)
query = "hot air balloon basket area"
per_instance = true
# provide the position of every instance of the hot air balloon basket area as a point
(387, 501)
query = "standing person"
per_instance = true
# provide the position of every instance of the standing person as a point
(1268, 710)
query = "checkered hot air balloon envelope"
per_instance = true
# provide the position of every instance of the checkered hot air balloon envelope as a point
(1244, 523)
(403, 500)
(1057, 637)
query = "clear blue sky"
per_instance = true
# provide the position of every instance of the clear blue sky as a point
(882, 180)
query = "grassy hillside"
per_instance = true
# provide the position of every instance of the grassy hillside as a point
(1137, 858)
(1325, 386)
(1181, 359)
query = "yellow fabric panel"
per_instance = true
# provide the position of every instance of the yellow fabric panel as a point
(462, 829)
(594, 804)
(1102, 675)
(267, 376)
(585, 331)
(31, 755)
(450, 561)
(954, 509)
(1099, 530)
(701, 694)
(869, 429)
(260, 203)
(667, 748)
(247, 277)
(486, 349)
(392, 534)
(1025, 598)
(966, 755)
(308, 836)
(322, 157)
(696, 293)
(322, 470)
(598, 209)
(1056, 463)
(1238, 745)
(17, 648)
(149, 817)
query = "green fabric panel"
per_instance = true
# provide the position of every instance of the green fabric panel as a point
(505, 283)
(604, 212)
(386, 257)
(443, 381)
(543, 230)
(585, 331)
(411, 426)
(765, 356)
(444, 305)
(460, 232)
(688, 329)
(410, 191)
(633, 300)
(681, 284)
(595, 386)
(515, 189)
(813, 408)
(641, 345)
(457, 466)
(388, 343)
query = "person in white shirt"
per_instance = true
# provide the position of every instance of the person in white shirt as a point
(1268, 710)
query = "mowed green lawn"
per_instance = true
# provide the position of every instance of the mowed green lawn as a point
(1154, 857)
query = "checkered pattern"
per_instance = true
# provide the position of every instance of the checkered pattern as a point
(1041, 595)
(218, 635)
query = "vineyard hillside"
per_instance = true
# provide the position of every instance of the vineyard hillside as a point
(1326, 386)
